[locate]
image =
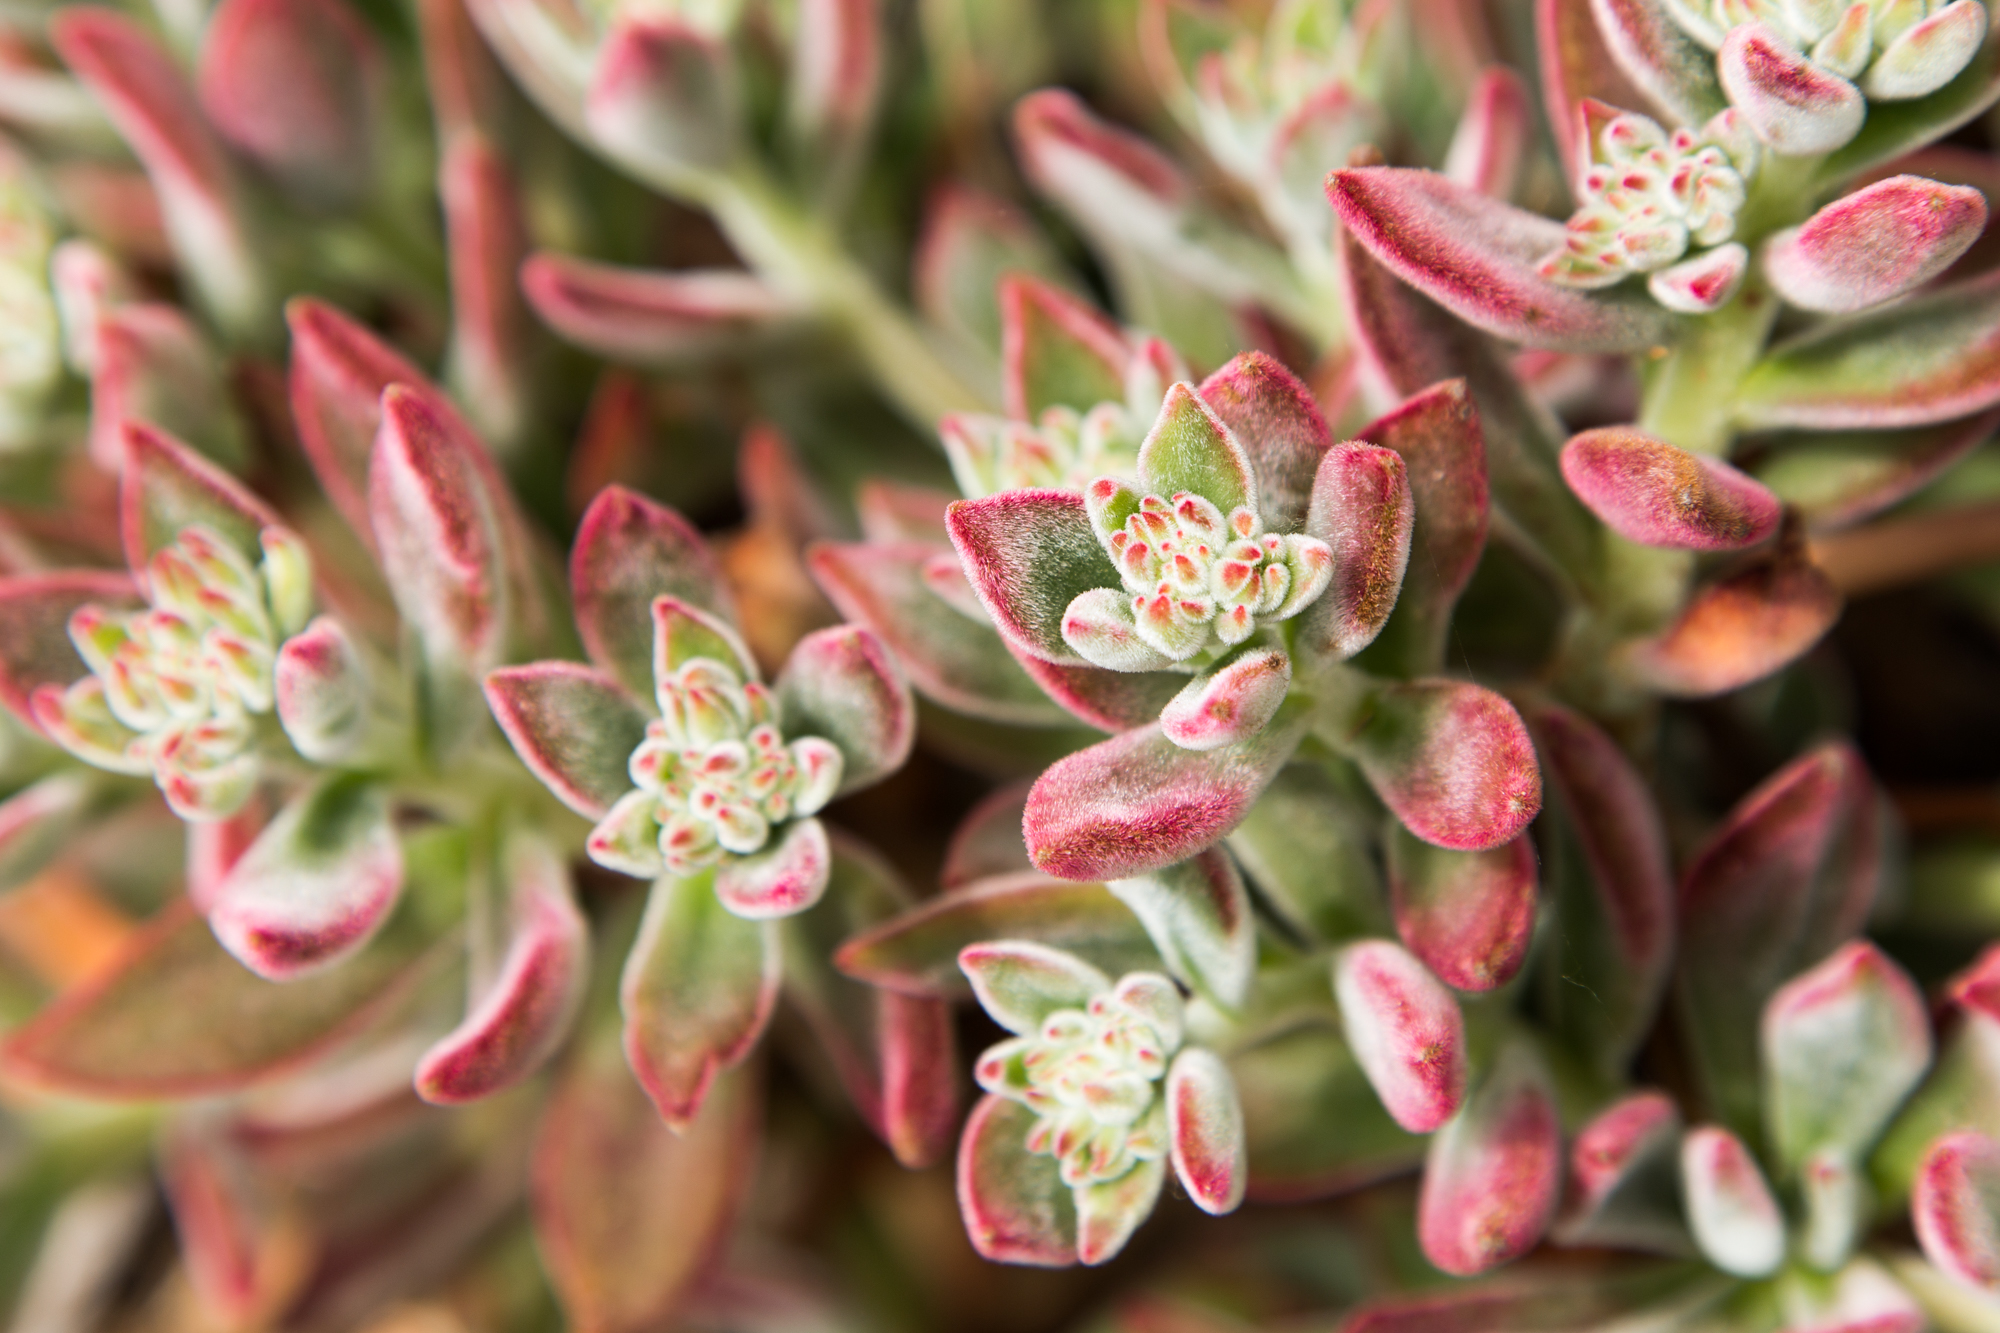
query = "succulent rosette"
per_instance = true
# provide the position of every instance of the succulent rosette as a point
(712, 791)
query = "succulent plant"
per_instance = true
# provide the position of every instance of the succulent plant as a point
(1338, 604)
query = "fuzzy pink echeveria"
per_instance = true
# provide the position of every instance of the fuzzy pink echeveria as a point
(1113, 1097)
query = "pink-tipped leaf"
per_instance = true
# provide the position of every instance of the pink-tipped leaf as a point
(1492, 136)
(572, 726)
(1493, 1173)
(1739, 629)
(1650, 492)
(1575, 63)
(1205, 1127)
(1835, 479)
(35, 648)
(152, 366)
(1730, 1210)
(1191, 449)
(1015, 1206)
(1028, 555)
(1669, 67)
(1476, 257)
(629, 551)
(316, 885)
(1056, 350)
(842, 684)
(294, 85)
(1230, 704)
(785, 878)
(1276, 420)
(522, 1016)
(1467, 915)
(1451, 760)
(1405, 1031)
(164, 486)
(1795, 106)
(1843, 1044)
(697, 992)
(1955, 1207)
(663, 99)
(1019, 983)
(321, 692)
(1138, 802)
(1624, 1178)
(488, 362)
(650, 316)
(1874, 245)
(1363, 509)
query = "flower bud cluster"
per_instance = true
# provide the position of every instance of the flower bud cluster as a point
(1197, 578)
(1649, 195)
(1092, 1077)
(174, 690)
(713, 777)
(1064, 447)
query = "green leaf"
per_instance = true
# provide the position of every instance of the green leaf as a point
(1198, 915)
(1189, 449)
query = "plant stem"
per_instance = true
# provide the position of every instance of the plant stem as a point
(798, 254)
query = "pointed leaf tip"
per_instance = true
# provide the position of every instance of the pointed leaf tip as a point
(1650, 492)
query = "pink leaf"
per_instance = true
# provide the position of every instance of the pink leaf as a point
(1791, 873)
(1492, 1174)
(663, 100)
(780, 880)
(295, 88)
(1190, 449)
(649, 316)
(1029, 554)
(440, 539)
(1650, 492)
(1622, 1178)
(234, 1254)
(156, 114)
(573, 727)
(1230, 704)
(1576, 63)
(1138, 802)
(1438, 436)
(949, 658)
(988, 840)
(698, 990)
(1055, 350)
(176, 1017)
(917, 952)
(165, 486)
(842, 684)
(214, 846)
(1843, 1044)
(892, 512)
(1874, 245)
(1476, 257)
(919, 1102)
(153, 367)
(1672, 70)
(1492, 136)
(1361, 508)
(1729, 1206)
(1703, 284)
(1276, 420)
(628, 1213)
(322, 692)
(315, 886)
(1452, 760)
(1835, 377)
(1405, 1030)
(1015, 1206)
(630, 550)
(1740, 629)
(836, 72)
(522, 1016)
(1955, 1207)
(1205, 1126)
(1110, 178)
(1895, 128)
(1467, 915)
(34, 628)
(1612, 883)
(1111, 701)
(1795, 106)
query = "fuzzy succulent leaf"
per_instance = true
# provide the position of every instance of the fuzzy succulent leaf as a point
(1796, 107)
(1872, 246)
(1624, 1178)
(1838, 478)
(1452, 760)
(1730, 1208)
(1652, 493)
(317, 883)
(1015, 1205)
(1028, 555)
(320, 692)
(1477, 257)
(629, 552)
(663, 99)
(1055, 350)
(1492, 136)
(176, 1016)
(1205, 1126)
(1673, 70)
(165, 487)
(1405, 1030)
(843, 684)
(1198, 915)
(573, 726)
(697, 992)
(35, 610)
(648, 316)
(1363, 510)
(1230, 704)
(1138, 802)
(1843, 1044)
(917, 952)
(1739, 629)
(1493, 1173)
(1955, 1207)
(1468, 915)
(520, 1019)
(1019, 983)
(1274, 417)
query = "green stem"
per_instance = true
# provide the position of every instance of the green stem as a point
(1690, 393)
(800, 255)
